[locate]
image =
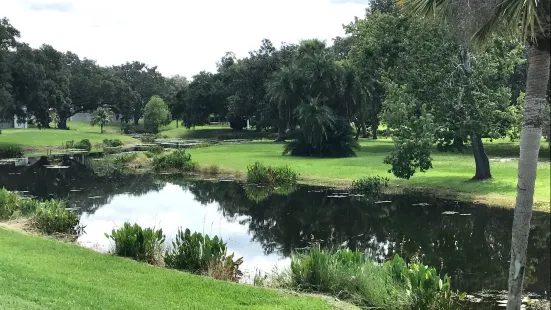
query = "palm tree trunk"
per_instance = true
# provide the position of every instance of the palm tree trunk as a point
(530, 139)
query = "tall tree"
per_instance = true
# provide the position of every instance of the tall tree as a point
(8, 41)
(530, 20)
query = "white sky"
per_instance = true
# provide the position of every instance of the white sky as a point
(179, 36)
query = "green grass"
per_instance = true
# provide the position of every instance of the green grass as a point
(38, 273)
(33, 138)
(451, 173)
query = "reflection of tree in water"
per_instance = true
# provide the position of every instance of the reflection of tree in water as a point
(78, 185)
(473, 248)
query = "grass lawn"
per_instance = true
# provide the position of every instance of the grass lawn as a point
(451, 173)
(33, 138)
(38, 273)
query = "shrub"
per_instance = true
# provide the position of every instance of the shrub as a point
(9, 204)
(53, 217)
(349, 275)
(83, 144)
(156, 149)
(11, 151)
(428, 290)
(178, 159)
(148, 139)
(260, 174)
(371, 186)
(141, 244)
(27, 207)
(112, 142)
(122, 160)
(156, 114)
(339, 142)
(202, 255)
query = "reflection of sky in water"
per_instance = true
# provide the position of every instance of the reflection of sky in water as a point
(171, 208)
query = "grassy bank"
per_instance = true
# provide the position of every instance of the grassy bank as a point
(39, 273)
(451, 173)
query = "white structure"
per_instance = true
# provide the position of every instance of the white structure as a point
(81, 117)
(15, 123)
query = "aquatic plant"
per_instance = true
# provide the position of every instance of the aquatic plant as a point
(124, 159)
(9, 204)
(178, 160)
(11, 151)
(53, 217)
(278, 176)
(155, 149)
(347, 275)
(112, 142)
(141, 244)
(371, 186)
(83, 144)
(198, 253)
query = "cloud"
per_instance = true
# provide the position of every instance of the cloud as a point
(61, 7)
(180, 37)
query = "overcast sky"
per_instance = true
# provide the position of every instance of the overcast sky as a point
(179, 36)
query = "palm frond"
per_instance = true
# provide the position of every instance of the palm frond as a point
(518, 16)
(422, 7)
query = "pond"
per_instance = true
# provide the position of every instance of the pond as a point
(469, 242)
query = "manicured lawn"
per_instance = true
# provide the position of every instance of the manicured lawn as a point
(34, 138)
(38, 273)
(451, 173)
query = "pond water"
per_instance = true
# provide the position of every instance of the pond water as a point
(469, 242)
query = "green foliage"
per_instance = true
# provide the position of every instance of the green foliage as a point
(112, 142)
(141, 244)
(27, 207)
(278, 176)
(83, 144)
(148, 139)
(156, 149)
(197, 254)
(11, 151)
(338, 142)
(423, 283)
(156, 114)
(9, 204)
(53, 217)
(101, 117)
(178, 160)
(371, 186)
(260, 193)
(124, 159)
(347, 275)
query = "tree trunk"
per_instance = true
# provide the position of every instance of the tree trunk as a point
(375, 127)
(62, 123)
(176, 123)
(530, 139)
(364, 130)
(101, 128)
(480, 158)
(136, 120)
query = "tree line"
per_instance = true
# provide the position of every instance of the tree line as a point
(411, 74)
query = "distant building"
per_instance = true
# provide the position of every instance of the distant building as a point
(81, 117)
(14, 124)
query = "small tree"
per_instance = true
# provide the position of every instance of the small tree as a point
(156, 114)
(101, 117)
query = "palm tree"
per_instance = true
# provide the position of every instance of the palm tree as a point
(101, 117)
(316, 121)
(284, 89)
(530, 21)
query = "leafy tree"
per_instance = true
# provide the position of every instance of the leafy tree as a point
(8, 40)
(102, 117)
(528, 20)
(156, 114)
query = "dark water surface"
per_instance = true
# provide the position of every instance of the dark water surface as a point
(469, 242)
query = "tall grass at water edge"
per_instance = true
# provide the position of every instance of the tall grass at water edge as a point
(258, 173)
(141, 244)
(352, 276)
(176, 160)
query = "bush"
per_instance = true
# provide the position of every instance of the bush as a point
(122, 160)
(9, 204)
(156, 114)
(11, 151)
(202, 255)
(260, 174)
(112, 142)
(179, 160)
(339, 142)
(156, 149)
(83, 144)
(428, 290)
(141, 244)
(148, 139)
(348, 275)
(371, 186)
(53, 217)
(27, 207)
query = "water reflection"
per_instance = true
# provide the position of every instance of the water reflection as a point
(469, 242)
